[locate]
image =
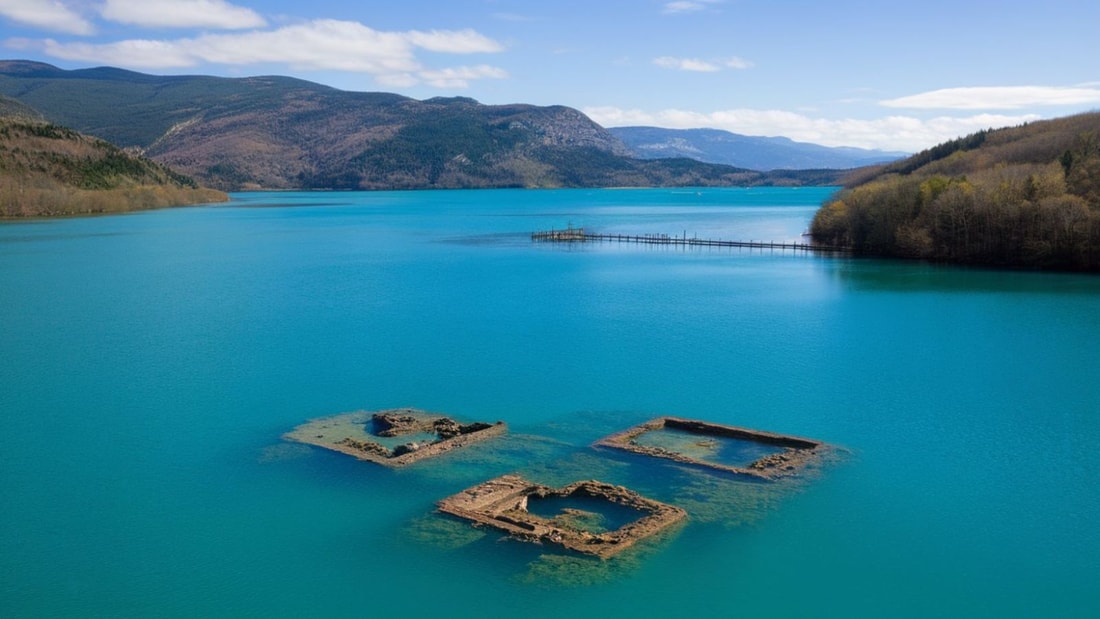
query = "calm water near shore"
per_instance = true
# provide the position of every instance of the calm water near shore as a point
(151, 362)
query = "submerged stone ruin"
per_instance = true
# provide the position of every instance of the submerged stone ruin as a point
(772, 456)
(508, 503)
(395, 437)
(587, 519)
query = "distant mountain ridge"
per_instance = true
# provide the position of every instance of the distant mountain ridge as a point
(276, 132)
(753, 152)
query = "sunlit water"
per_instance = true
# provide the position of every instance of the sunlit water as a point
(152, 361)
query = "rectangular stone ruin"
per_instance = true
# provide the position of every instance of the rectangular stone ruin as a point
(788, 454)
(394, 437)
(506, 503)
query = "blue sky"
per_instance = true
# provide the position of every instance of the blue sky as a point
(897, 76)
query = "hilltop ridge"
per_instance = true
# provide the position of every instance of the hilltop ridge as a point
(48, 170)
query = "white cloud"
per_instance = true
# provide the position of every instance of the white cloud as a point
(454, 41)
(996, 98)
(322, 44)
(47, 14)
(318, 45)
(686, 6)
(459, 77)
(135, 54)
(181, 14)
(895, 133)
(685, 64)
(702, 66)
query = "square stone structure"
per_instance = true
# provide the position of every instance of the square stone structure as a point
(503, 503)
(795, 453)
(395, 437)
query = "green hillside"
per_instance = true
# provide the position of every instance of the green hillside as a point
(47, 170)
(1026, 196)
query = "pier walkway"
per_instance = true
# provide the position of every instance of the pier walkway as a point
(578, 235)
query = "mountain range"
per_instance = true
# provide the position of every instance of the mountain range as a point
(274, 132)
(754, 152)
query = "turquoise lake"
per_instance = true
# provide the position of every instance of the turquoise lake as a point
(152, 361)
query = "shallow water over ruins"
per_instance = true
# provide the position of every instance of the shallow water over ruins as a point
(153, 361)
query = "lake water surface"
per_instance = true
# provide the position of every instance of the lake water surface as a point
(152, 361)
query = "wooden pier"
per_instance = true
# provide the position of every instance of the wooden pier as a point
(578, 235)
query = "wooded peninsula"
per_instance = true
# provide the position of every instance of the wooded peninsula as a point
(1020, 197)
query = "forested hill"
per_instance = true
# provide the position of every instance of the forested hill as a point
(1026, 196)
(47, 170)
(284, 133)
